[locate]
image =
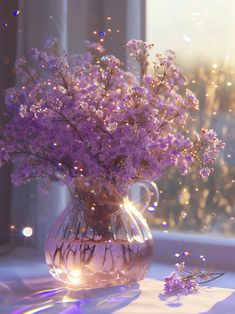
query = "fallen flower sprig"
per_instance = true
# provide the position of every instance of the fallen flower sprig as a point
(182, 280)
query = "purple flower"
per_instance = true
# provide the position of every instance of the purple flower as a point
(183, 281)
(205, 172)
(86, 116)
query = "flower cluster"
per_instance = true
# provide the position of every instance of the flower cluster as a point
(84, 115)
(187, 281)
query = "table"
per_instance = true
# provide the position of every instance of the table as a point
(26, 287)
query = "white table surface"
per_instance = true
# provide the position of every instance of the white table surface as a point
(26, 287)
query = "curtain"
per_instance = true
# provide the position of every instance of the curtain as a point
(72, 22)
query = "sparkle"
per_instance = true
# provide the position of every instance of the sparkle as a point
(12, 227)
(187, 38)
(16, 13)
(102, 33)
(151, 209)
(27, 232)
(75, 276)
(177, 254)
(186, 253)
(109, 18)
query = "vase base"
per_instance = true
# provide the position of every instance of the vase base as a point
(96, 265)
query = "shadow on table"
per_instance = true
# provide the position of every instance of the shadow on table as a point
(59, 299)
(226, 306)
(175, 299)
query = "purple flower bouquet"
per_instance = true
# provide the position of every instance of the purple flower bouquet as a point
(84, 121)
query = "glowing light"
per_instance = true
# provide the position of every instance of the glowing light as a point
(151, 209)
(4, 24)
(102, 33)
(187, 38)
(16, 13)
(75, 276)
(67, 299)
(12, 227)
(177, 254)
(39, 309)
(186, 253)
(27, 232)
(164, 223)
(215, 66)
(184, 215)
(229, 84)
(109, 18)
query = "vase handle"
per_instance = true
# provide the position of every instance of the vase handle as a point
(144, 195)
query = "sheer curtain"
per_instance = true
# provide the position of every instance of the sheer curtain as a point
(72, 22)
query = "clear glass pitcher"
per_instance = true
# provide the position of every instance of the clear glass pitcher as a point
(101, 238)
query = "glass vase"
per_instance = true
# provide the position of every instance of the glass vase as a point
(101, 238)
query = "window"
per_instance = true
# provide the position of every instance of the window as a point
(202, 35)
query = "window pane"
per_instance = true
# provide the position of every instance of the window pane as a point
(202, 35)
